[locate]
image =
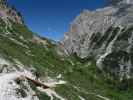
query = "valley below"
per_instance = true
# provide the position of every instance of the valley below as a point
(94, 60)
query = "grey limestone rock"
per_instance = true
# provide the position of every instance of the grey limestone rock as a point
(107, 35)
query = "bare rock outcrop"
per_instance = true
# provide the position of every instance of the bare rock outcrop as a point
(105, 34)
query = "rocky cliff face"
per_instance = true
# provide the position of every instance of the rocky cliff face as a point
(105, 34)
(9, 13)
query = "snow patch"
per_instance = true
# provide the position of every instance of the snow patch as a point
(81, 98)
(53, 82)
(102, 97)
(59, 76)
(51, 93)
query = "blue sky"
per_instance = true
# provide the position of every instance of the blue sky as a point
(51, 18)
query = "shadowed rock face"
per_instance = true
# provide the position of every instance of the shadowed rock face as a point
(106, 34)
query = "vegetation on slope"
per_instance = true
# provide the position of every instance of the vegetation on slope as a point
(82, 77)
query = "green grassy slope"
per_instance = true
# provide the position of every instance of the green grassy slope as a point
(82, 77)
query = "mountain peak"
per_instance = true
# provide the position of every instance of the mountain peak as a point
(127, 1)
(8, 12)
(117, 2)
